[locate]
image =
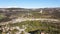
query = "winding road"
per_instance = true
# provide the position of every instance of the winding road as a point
(17, 20)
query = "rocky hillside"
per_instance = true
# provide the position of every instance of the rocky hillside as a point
(30, 13)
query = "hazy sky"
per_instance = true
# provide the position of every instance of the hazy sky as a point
(30, 3)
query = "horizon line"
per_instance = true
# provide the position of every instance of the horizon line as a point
(29, 7)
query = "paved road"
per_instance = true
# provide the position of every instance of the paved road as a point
(30, 19)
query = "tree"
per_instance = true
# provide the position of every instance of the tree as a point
(22, 32)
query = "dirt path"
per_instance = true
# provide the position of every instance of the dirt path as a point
(30, 19)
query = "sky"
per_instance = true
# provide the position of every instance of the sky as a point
(29, 3)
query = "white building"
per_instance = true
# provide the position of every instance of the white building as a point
(41, 11)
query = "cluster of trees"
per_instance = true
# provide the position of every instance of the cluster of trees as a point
(4, 18)
(56, 14)
(47, 27)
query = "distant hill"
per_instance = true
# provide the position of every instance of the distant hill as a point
(55, 12)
